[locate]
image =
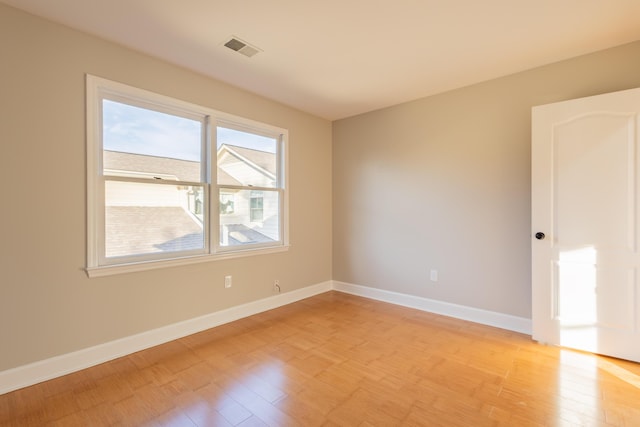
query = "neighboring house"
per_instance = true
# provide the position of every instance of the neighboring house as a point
(170, 217)
(247, 216)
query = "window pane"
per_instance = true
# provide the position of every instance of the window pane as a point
(143, 143)
(255, 218)
(152, 218)
(246, 159)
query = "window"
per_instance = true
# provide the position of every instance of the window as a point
(257, 206)
(157, 169)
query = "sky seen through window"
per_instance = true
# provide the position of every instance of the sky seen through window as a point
(131, 129)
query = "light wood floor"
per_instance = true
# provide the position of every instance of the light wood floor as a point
(340, 360)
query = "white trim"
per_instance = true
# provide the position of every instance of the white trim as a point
(94, 194)
(476, 315)
(33, 373)
(109, 270)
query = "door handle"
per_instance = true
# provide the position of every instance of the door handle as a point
(540, 235)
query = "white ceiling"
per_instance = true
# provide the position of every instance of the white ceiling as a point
(338, 58)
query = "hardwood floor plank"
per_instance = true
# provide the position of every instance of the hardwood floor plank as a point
(340, 360)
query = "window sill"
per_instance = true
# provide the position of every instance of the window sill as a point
(110, 270)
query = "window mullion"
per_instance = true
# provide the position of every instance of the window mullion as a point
(212, 179)
(206, 177)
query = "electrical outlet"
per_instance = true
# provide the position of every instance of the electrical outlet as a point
(434, 275)
(276, 286)
(227, 281)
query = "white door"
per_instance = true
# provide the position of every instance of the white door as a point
(585, 201)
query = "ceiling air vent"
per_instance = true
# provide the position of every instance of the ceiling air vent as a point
(239, 46)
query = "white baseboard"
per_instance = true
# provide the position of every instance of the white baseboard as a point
(33, 373)
(485, 317)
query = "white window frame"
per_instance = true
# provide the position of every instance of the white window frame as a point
(97, 264)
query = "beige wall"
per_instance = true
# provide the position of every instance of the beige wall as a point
(48, 306)
(444, 183)
(441, 182)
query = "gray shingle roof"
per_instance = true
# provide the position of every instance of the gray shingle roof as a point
(241, 234)
(134, 230)
(138, 230)
(184, 170)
